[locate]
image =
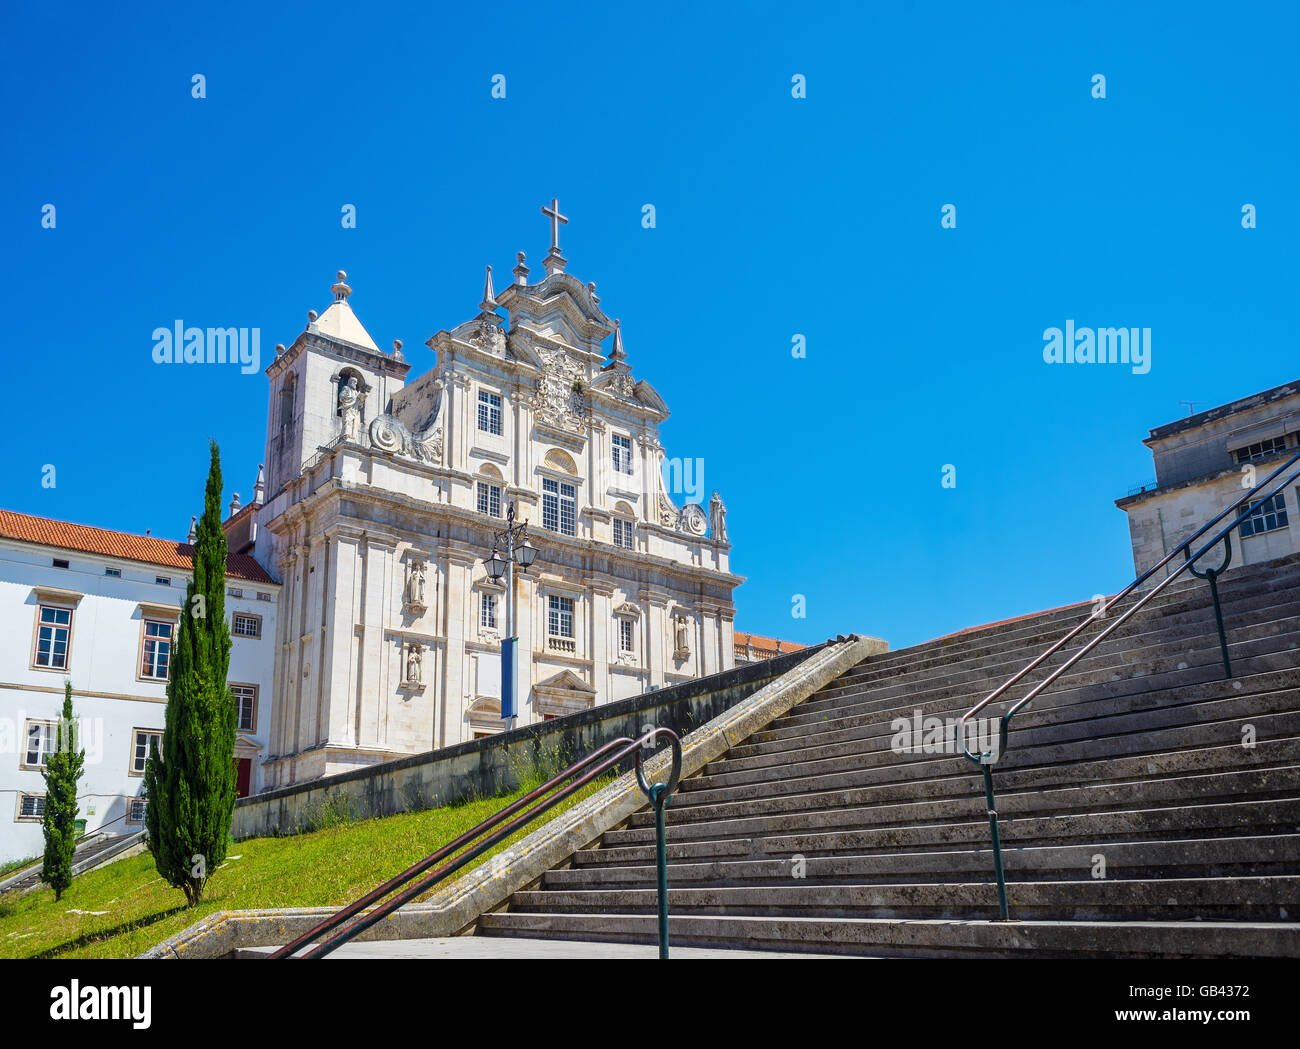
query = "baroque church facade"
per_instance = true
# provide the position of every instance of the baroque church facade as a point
(384, 493)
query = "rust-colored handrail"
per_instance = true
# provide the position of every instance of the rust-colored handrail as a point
(1256, 497)
(1251, 494)
(603, 759)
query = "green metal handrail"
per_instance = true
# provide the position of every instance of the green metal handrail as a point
(659, 794)
(568, 782)
(988, 759)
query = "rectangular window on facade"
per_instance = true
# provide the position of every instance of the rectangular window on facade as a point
(622, 454)
(625, 635)
(113, 573)
(135, 810)
(489, 499)
(162, 580)
(623, 533)
(559, 620)
(487, 614)
(1269, 515)
(234, 591)
(53, 629)
(60, 562)
(1260, 449)
(156, 649)
(245, 707)
(489, 412)
(31, 806)
(140, 748)
(559, 507)
(41, 740)
(244, 625)
(262, 595)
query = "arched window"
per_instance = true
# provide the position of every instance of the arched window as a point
(624, 525)
(286, 400)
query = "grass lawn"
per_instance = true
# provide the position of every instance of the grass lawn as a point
(124, 908)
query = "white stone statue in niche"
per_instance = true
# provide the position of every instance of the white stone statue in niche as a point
(414, 671)
(415, 572)
(681, 637)
(350, 410)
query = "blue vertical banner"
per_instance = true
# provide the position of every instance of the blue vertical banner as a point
(508, 677)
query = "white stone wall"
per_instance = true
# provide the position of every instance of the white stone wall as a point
(103, 665)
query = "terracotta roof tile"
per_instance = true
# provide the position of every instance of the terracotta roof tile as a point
(68, 536)
(766, 644)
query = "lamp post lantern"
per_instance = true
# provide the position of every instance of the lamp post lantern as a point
(517, 550)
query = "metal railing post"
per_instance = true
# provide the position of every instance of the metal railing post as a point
(1211, 575)
(997, 842)
(659, 794)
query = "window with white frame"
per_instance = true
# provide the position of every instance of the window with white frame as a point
(141, 738)
(623, 533)
(622, 454)
(156, 649)
(31, 806)
(245, 707)
(559, 616)
(53, 631)
(42, 738)
(487, 611)
(1270, 514)
(489, 499)
(559, 507)
(244, 625)
(489, 412)
(626, 636)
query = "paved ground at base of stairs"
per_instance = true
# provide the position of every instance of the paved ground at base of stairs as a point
(511, 947)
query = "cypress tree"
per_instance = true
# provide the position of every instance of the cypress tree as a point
(190, 786)
(62, 770)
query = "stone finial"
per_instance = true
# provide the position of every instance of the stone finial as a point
(311, 317)
(520, 270)
(591, 290)
(397, 350)
(341, 290)
(234, 505)
(489, 303)
(194, 529)
(616, 351)
(279, 349)
(259, 486)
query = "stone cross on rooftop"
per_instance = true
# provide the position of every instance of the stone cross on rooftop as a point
(553, 212)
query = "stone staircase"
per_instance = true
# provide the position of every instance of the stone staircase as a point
(1135, 821)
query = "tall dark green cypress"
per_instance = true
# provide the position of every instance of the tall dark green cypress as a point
(62, 770)
(190, 787)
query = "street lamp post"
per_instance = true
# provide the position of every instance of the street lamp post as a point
(517, 550)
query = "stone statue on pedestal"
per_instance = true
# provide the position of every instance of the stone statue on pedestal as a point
(350, 410)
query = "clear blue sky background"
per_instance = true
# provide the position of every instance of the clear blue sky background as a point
(775, 216)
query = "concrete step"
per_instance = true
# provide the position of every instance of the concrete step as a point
(821, 834)
(1006, 658)
(1176, 728)
(937, 774)
(1027, 724)
(961, 780)
(1124, 860)
(1144, 656)
(1096, 800)
(933, 937)
(1258, 898)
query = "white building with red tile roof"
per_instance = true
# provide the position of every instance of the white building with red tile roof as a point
(99, 608)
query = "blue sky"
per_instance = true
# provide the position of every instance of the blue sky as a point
(775, 216)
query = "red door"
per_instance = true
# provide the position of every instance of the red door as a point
(243, 777)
